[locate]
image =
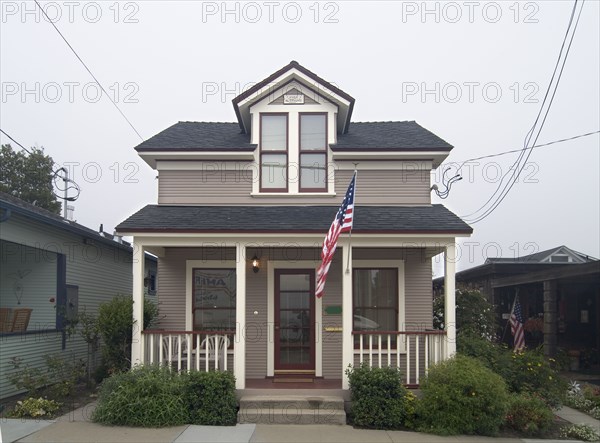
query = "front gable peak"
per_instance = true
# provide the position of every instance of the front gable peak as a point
(305, 80)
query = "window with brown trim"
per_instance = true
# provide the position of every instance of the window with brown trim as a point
(375, 299)
(213, 299)
(273, 152)
(313, 152)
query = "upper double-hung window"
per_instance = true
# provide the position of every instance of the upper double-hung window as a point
(313, 152)
(274, 152)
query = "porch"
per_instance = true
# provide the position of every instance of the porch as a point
(264, 323)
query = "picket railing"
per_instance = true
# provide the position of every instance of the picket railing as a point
(412, 352)
(189, 350)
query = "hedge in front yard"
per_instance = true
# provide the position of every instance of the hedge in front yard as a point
(152, 396)
(211, 398)
(379, 400)
(462, 396)
(146, 396)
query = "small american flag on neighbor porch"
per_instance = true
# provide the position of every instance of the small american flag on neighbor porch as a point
(516, 326)
(341, 223)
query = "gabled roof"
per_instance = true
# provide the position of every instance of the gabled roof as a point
(267, 83)
(407, 135)
(368, 136)
(541, 257)
(292, 219)
(9, 204)
(198, 136)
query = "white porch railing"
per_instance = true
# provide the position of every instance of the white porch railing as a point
(412, 352)
(189, 350)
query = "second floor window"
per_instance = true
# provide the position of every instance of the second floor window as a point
(313, 152)
(274, 152)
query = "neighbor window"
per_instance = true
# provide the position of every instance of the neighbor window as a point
(214, 295)
(375, 296)
(313, 152)
(273, 152)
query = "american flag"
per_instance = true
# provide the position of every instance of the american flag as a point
(516, 326)
(341, 223)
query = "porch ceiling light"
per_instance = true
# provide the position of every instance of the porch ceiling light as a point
(255, 264)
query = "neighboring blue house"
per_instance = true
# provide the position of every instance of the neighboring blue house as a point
(51, 269)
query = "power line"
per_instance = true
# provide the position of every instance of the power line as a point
(457, 177)
(562, 140)
(18, 144)
(89, 71)
(518, 165)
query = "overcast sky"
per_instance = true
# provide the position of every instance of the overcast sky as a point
(472, 72)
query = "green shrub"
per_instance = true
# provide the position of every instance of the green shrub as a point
(528, 415)
(462, 396)
(210, 397)
(580, 432)
(153, 396)
(115, 323)
(530, 371)
(147, 396)
(379, 400)
(57, 379)
(474, 313)
(36, 408)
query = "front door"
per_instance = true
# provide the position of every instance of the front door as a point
(294, 320)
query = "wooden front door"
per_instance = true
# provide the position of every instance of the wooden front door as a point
(294, 320)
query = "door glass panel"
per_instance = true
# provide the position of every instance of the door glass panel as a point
(295, 333)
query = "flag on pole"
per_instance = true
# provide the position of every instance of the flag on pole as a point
(516, 325)
(341, 223)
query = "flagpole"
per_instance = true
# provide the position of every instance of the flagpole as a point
(353, 216)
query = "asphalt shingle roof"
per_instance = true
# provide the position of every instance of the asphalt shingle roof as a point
(407, 135)
(198, 136)
(308, 219)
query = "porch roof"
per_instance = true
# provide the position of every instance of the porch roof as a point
(434, 219)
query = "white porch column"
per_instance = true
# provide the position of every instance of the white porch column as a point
(239, 350)
(137, 343)
(450, 298)
(347, 339)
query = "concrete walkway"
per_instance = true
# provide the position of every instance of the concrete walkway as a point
(77, 427)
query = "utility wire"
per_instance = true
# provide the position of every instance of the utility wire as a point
(18, 144)
(518, 166)
(587, 134)
(89, 71)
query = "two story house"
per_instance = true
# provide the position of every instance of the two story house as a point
(243, 209)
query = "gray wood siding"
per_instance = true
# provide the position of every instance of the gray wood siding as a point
(256, 325)
(387, 187)
(100, 272)
(208, 187)
(332, 341)
(218, 186)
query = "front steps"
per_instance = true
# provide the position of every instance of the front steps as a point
(292, 409)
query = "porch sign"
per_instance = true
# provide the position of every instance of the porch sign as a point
(341, 223)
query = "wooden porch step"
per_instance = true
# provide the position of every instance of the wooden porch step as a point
(297, 409)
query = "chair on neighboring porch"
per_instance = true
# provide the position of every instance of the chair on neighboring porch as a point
(21, 318)
(213, 348)
(171, 352)
(5, 320)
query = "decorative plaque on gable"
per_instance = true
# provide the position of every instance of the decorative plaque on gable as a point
(293, 99)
